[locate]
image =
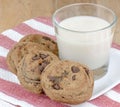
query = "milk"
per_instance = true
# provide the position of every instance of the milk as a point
(82, 45)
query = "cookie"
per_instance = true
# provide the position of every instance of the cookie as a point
(67, 82)
(29, 84)
(47, 42)
(18, 51)
(31, 66)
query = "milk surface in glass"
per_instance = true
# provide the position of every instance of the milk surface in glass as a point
(82, 45)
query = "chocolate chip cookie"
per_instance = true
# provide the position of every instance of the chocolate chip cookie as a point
(18, 51)
(47, 42)
(30, 84)
(68, 82)
(31, 66)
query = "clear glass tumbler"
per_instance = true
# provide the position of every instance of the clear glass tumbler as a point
(84, 34)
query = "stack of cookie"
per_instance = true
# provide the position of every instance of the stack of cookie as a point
(34, 59)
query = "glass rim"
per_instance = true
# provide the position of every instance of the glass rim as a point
(76, 4)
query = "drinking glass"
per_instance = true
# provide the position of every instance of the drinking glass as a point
(84, 34)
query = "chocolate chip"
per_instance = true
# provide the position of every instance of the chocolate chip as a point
(51, 78)
(53, 42)
(41, 68)
(74, 77)
(75, 69)
(48, 46)
(55, 79)
(87, 71)
(43, 65)
(36, 57)
(46, 38)
(43, 43)
(56, 86)
(43, 56)
(35, 84)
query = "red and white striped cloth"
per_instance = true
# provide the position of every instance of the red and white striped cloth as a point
(13, 95)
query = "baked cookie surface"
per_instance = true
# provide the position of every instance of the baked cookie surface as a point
(47, 42)
(30, 84)
(18, 51)
(31, 67)
(68, 82)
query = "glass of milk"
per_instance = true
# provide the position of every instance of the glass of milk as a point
(84, 34)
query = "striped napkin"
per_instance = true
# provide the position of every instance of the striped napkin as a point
(13, 95)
